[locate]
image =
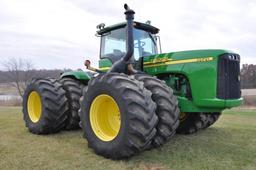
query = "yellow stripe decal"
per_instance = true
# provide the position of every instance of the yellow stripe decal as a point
(154, 64)
(164, 61)
(104, 68)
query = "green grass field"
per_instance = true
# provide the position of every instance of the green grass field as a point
(229, 144)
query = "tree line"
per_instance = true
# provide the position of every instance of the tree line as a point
(19, 72)
(248, 76)
(6, 76)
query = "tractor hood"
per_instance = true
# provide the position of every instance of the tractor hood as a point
(213, 75)
(175, 60)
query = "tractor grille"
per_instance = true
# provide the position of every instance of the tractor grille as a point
(228, 82)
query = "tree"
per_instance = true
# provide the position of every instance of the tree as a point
(248, 76)
(19, 73)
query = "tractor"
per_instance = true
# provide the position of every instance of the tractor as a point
(138, 98)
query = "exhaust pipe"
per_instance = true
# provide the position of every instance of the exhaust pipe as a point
(129, 15)
(123, 65)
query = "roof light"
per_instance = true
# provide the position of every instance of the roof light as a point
(100, 26)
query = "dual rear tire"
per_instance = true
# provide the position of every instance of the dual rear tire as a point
(50, 105)
(44, 106)
(73, 89)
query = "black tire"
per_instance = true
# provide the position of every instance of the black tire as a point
(53, 105)
(138, 118)
(211, 118)
(191, 123)
(167, 108)
(73, 90)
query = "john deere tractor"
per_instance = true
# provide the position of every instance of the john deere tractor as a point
(138, 98)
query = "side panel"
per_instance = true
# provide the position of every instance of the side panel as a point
(202, 77)
(80, 75)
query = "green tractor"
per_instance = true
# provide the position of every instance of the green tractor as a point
(138, 98)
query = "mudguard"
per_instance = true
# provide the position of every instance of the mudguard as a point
(79, 75)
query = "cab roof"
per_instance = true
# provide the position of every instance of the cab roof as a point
(139, 25)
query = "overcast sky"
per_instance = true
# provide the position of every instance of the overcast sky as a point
(61, 33)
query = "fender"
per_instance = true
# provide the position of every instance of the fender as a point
(79, 75)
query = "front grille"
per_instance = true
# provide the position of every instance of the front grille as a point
(228, 81)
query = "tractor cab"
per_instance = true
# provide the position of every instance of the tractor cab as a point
(113, 41)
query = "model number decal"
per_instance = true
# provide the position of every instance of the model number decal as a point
(204, 59)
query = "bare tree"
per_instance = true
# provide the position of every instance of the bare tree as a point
(19, 73)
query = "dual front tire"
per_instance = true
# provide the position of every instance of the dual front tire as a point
(167, 109)
(117, 115)
(123, 115)
(192, 122)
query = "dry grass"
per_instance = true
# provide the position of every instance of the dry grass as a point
(7, 89)
(11, 102)
(229, 144)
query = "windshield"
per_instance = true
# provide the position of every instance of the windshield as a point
(144, 44)
(113, 45)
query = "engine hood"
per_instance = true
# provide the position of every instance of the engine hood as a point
(182, 57)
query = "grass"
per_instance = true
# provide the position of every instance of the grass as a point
(229, 144)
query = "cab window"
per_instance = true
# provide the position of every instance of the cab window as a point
(113, 44)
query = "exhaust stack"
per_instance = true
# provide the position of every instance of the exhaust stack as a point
(123, 64)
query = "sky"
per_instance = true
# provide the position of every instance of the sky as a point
(61, 33)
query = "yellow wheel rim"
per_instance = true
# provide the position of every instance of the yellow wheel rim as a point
(34, 106)
(182, 116)
(105, 117)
